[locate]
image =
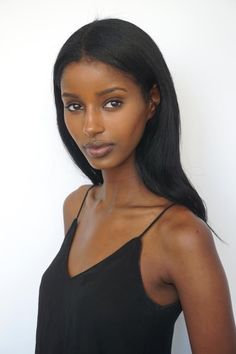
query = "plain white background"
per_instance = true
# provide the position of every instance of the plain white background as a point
(197, 39)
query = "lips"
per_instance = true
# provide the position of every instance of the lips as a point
(97, 144)
(98, 149)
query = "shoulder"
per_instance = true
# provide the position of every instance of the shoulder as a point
(192, 265)
(182, 231)
(72, 204)
(185, 238)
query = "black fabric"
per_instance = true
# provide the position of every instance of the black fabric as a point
(103, 310)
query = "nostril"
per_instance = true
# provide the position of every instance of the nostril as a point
(92, 127)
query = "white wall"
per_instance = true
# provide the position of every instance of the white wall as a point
(197, 39)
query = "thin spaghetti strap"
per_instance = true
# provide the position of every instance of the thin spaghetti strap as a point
(157, 218)
(84, 201)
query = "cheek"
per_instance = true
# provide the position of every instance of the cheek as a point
(67, 123)
(72, 127)
(129, 128)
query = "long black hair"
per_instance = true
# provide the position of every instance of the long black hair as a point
(128, 48)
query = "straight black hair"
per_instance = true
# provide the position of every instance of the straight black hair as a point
(128, 48)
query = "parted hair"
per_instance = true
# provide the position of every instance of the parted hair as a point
(128, 48)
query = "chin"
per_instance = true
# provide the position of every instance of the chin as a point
(109, 163)
(102, 165)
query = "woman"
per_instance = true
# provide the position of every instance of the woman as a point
(137, 249)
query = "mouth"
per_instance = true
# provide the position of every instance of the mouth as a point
(98, 149)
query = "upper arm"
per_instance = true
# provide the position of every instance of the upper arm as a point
(197, 273)
(72, 204)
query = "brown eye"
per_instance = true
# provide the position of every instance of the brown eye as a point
(113, 104)
(72, 107)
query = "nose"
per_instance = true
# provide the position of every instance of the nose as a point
(93, 123)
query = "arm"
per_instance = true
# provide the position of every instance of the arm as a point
(196, 271)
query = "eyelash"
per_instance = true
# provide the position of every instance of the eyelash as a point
(77, 104)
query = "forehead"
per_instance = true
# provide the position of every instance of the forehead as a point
(88, 73)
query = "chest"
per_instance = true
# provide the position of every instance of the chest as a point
(98, 239)
(102, 306)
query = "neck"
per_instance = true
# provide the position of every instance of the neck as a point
(122, 187)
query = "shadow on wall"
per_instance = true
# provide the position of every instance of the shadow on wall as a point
(180, 338)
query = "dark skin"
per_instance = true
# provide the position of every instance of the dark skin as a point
(178, 259)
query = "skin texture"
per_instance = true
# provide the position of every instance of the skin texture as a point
(178, 258)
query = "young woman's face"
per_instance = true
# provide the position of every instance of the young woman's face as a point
(105, 108)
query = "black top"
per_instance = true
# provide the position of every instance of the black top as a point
(104, 309)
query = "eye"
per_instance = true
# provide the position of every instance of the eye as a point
(72, 107)
(113, 104)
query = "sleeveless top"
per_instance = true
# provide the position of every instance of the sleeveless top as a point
(104, 309)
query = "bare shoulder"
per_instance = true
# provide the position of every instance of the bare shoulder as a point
(192, 264)
(187, 243)
(72, 204)
(182, 231)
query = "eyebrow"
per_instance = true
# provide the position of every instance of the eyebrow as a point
(100, 93)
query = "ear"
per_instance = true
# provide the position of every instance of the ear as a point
(154, 100)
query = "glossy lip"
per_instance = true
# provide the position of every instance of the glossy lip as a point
(96, 144)
(99, 151)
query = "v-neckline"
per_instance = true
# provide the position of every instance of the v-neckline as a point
(72, 231)
(99, 263)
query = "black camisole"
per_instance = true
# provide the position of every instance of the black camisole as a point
(104, 309)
